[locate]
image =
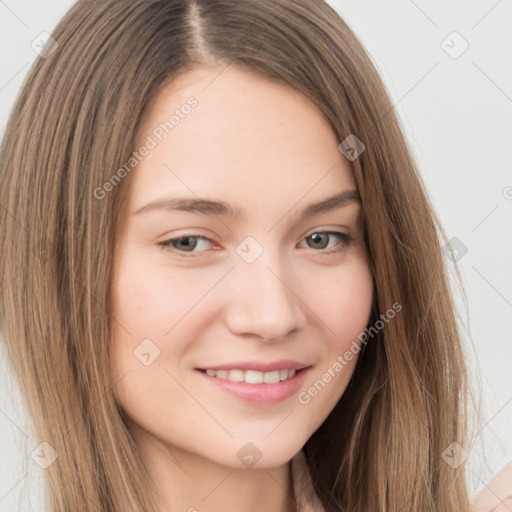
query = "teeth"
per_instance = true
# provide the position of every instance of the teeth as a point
(252, 376)
(236, 375)
(271, 377)
(222, 374)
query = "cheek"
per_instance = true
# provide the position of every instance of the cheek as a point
(344, 309)
(151, 300)
(149, 340)
(157, 314)
(343, 301)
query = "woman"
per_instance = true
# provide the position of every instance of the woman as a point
(225, 285)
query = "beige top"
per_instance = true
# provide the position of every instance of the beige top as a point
(305, 496)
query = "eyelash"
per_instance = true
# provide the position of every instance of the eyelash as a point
(345, 241)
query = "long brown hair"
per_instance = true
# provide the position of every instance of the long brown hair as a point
(74, 125)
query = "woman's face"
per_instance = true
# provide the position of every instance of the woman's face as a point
(238, 288)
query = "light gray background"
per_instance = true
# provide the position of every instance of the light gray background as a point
(457, 114)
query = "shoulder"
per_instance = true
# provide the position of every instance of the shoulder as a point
(496, 495)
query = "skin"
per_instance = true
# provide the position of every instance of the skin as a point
(496, 495)
(264, 148)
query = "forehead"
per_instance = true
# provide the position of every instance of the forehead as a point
(245, 139)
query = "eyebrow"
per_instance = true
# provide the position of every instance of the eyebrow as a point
(217, 207)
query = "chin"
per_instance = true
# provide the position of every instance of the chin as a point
(263, 454)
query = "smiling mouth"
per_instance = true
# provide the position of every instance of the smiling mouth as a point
(252, 376)
(280, 382)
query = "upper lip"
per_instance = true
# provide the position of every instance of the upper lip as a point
(260, 366)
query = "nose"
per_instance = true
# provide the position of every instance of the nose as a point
(263, 300)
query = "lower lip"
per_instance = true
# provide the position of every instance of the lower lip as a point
(260, 393)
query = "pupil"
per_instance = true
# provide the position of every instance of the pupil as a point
(317, 238)
(185, 243)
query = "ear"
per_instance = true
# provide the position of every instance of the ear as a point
(496, 495)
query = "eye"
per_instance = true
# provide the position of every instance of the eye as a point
(333, 241)
(325, 241)
(186, 243)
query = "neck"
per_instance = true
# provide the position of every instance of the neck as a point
(188, 482)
